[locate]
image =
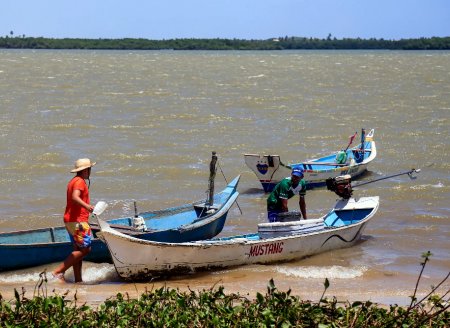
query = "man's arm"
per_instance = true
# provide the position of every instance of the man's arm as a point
(76, 198)
(302, 205)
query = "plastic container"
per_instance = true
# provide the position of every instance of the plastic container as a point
(99, 208)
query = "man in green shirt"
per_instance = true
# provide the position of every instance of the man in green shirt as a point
(277, 202)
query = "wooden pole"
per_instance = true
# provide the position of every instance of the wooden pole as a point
(212, 175)
(410, 174)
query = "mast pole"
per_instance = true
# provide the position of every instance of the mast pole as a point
(212, 175)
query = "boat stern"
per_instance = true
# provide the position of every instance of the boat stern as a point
(268, 169)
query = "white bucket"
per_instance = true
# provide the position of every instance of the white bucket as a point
(100, 207)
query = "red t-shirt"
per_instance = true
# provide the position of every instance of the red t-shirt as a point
(75, 212)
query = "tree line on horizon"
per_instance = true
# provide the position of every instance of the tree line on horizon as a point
(281, 43)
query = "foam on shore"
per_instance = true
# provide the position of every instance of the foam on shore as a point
(331, 272)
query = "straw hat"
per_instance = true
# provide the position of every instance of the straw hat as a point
(81, 164)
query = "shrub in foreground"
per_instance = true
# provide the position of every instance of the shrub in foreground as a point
(167, 307)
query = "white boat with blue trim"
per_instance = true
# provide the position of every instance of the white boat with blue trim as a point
(353, 161)
(137, 259)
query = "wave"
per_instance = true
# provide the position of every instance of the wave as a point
(92, 274)
(334, 272)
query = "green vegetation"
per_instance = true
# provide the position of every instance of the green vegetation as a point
(166, 307)
(282, 43)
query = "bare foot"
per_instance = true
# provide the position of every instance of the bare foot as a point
(59, 277)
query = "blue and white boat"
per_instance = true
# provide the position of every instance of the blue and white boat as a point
(353, 161)
(136, 259)
(27, 248)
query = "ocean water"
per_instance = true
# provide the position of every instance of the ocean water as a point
(150, 119)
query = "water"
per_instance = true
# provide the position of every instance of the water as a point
(151, 119)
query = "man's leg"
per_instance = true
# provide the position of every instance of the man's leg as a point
(75, 257)
(78, 264)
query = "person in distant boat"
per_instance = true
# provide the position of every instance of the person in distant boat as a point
(76, 218)
(277, 202)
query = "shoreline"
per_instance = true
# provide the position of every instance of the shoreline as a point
(101, 282)
(94, 294)
(276, 43)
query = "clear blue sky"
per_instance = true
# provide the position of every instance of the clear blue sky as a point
(242, 19)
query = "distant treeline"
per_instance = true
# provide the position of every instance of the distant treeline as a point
(283, 43)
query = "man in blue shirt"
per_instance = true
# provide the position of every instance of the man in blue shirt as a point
(277, 202)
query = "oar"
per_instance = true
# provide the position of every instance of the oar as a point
(351, 140)
(341, 156)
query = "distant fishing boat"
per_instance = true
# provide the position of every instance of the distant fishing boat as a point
(137, 259)
(354, 161)
(199, 220)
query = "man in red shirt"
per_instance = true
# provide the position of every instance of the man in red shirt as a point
(76, 217)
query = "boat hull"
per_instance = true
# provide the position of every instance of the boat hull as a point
(137, 259)
(18, 256)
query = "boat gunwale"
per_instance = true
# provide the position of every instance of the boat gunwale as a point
(214, 242)
(205, 220)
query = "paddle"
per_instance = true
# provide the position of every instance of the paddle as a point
(341, 156)
(351, 140)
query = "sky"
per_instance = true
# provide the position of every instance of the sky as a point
(240, 19)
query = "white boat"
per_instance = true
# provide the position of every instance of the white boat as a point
(270, 170)
(137, 259)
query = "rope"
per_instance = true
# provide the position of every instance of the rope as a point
(275, 170)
